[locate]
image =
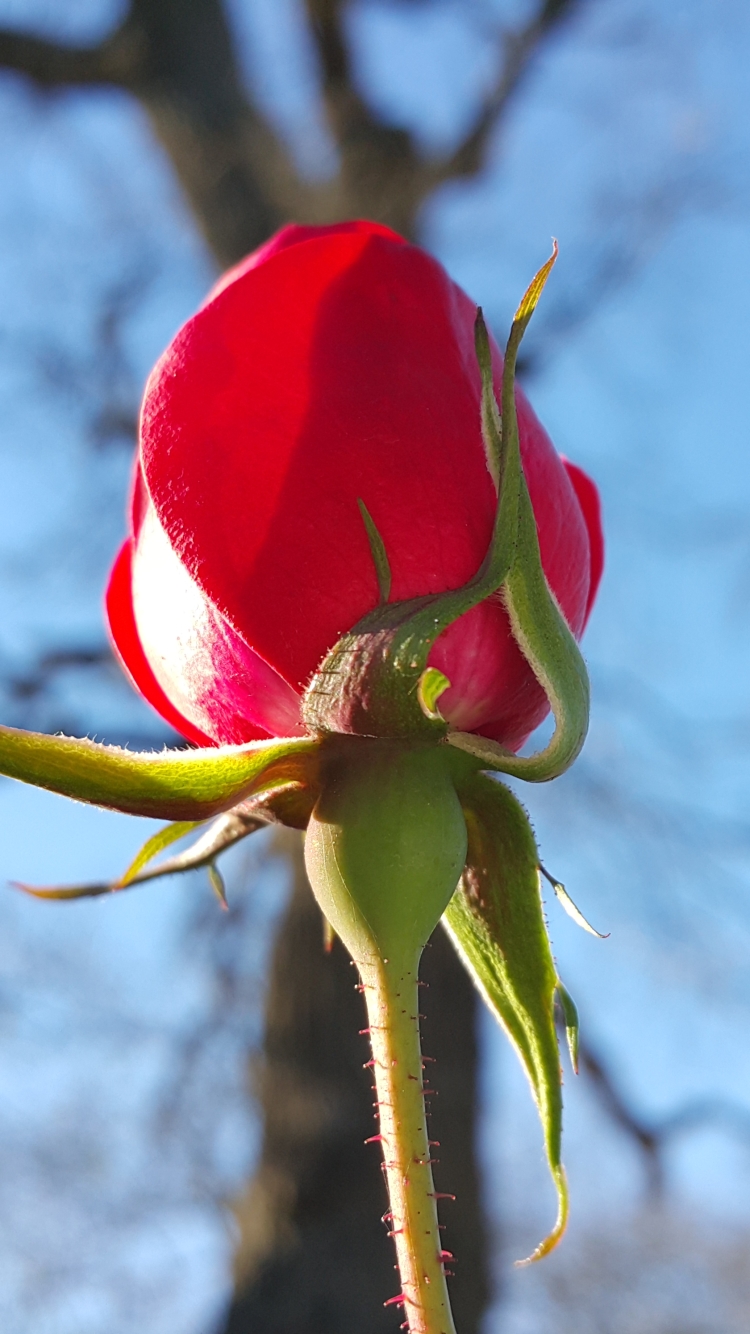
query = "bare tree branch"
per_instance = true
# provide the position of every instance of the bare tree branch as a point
(652, 1135)
(177, 58)
(50, 64)
(380, 168)
(520, 49)
(645, 1135)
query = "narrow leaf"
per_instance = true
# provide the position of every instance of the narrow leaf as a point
(183, 785)
(570, 907)
(379, 553)
(496, 922)
(570, 1018)
(226, 830)
(156, 844)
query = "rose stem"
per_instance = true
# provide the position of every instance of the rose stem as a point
(392, 1008)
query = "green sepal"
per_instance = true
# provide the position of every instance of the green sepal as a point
(496, 922)
(378, 553)
(184, 785)
(226, 830)
(546, 642)
(569, 1011)
(290, 805)
(538, 625)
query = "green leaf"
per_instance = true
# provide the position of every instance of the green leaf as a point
(156, 844)
(496, 922)
(183, 785)
(222, 834)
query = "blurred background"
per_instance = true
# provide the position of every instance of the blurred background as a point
(144, 146)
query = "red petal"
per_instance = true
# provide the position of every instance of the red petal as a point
(127, 645)
(220, 684)
(591, 508)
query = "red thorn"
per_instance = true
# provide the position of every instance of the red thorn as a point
(387, 1217)
(375, 1139)
(363, 1032)
(400, 1300)
(431, 1059)
(441, 1195)
(368, 1065)
(445, 1255)
(434, 1143)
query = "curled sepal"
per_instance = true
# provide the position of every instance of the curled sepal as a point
(496, 922)
(184, 785)
(538, 625)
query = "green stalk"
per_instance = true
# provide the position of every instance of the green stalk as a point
(385, 847)
(392, 1007)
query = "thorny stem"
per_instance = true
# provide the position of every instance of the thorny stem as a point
(392, 1009)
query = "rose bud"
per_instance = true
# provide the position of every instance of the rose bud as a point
(333, 365)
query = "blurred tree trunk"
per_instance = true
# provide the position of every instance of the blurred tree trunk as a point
(312, 1256)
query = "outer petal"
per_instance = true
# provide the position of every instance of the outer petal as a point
(591, 508)
(216, 681)
(342, 366)
(124, 633)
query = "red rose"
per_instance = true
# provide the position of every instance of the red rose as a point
(335, 363)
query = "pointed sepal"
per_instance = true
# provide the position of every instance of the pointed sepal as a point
(183, 785)
(538, 625)
(496, 922)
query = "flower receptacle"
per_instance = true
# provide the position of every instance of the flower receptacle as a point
(386, 845)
